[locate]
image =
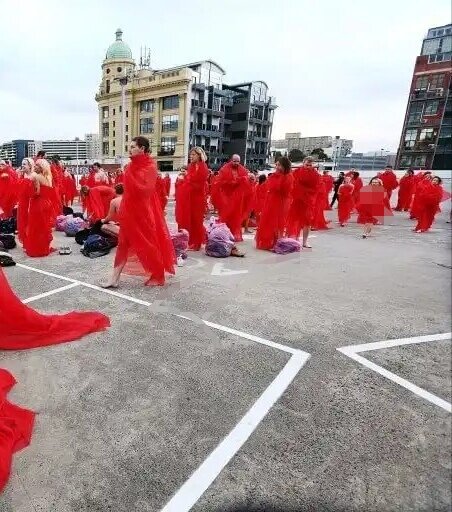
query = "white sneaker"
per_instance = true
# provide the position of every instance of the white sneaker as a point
(180, 261)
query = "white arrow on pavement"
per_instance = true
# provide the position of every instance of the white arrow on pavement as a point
(219, 270)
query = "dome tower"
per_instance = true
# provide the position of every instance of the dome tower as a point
(118, 60)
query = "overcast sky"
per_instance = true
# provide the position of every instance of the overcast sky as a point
(336, 67)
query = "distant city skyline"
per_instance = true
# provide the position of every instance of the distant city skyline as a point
(335, 68)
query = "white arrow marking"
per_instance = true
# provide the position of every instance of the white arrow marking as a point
(219, 270)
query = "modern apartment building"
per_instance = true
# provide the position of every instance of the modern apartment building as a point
(333, 146)
(178, 108)
(14, 151)
(426, 140)
(67, 149)
(93, 149)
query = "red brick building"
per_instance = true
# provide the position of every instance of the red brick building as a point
(426, 140)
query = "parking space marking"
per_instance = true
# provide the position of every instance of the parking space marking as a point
(191, 491)
(51, 292)
(353, 351)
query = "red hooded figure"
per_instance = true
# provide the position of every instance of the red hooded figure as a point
(430, 196)
(389, 180)
(346, 201)
(406, 190)
(8, 190)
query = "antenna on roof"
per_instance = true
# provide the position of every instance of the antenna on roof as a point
(145, 58)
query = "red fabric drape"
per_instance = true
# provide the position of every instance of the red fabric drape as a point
(26, 191)
(261, 197)
(321, 204)
(215, 193)
(421, 181)
(144, 240)
(357, 186)
(235, 187)
(182, 208)
(69, 189)
(346, 202)
(196, 181)
(160, 186)
(406, 189)
(167, 181)
(8, 191)
(119, 178)
(274, 214)
(372, 207)
(389, 180)
(429, 198)
(306, 181)
(97, 203)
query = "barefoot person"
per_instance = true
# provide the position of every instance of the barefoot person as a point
(373, 205)
(144, 245)
(110, 223)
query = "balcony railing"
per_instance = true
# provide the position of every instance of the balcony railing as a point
(164, 151)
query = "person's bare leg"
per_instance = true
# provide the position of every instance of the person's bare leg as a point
(367, 230)
(110, 229)
(306, 231)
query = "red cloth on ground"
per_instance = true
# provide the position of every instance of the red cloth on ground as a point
(357, 186)
(274, 214)
(196, 180)
(161, 192)
(40, 221)
(389, 180)
(372, 207)
(167, 181)
(16, 426)
(144, 241)
(406, 189)
(24, 328)
(234, 185)
(429, 198)
(346, 202)
(97, 203)
(321, 204)
(306, 181)
(8, 191)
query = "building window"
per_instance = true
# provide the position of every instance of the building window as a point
(437, 81)
(105, 112)
(421, 83)
(147, 106)
(170, 123)
(431, 108)
(216, 104)
(119, 69)
(415, 112)
(114, 133)
(166, 166)
(114, 122)
(426, 134)
(107, 88)
(127, 128)
(127, 113)
(105, 148)
(114, 143)
(127, 138)
(420, 160)
(405, 161)
(168, 145)
(114, 152)
(147, 125)
(105, 130)
(120, 108)
(114, 113)
(170, 102)
(108, 71)
(410, 139)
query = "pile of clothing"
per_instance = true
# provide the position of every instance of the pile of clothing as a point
(286, 246)
(220, 241)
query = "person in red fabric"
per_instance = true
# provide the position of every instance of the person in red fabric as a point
(57, 181)
(421, 180)
(389, 180)
(181, 195)
(346, 201)
(321, 204)
(144, 245)
(90, 178)
(301, 214)
(110, 223)
(96, 201)
(8, 189)
(349, 174)
(25, 192)
(329, 185)
(161, 191)
(215, 191)
(69, 188)
(119, 176)
(234, 186)
(429, 198)
(167, 180)
(406, 189)
(372, 207)
(249, 203)
(274, 214)
(261, 196)
(357, 183)
(196, 179)
(41, 212)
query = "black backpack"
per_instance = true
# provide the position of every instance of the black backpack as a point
(8, 225)
(67, 210)
(6, 260)
(8, 241)
(82, 235)
(97, 245)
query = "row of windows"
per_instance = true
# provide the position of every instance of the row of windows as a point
(169, 102)
(419, 108)
(105, 112)
(413, 161)
(436, 81)
(422, 137)
(170, 123)
(167, 145)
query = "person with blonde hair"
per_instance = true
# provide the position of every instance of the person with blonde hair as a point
(41, 212)
(196, 196)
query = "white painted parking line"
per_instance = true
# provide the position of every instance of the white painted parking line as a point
(220, 270)
(51, 292)
(353, 351)
(192, 490)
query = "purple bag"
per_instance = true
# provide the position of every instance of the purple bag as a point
(286, 246)
(220, 241)
(180, 242)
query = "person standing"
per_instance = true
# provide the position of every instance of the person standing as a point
(181, 195)
(406, 189)
(41, 212)
(100, 176)
(234, 187)
(306, 182)
(389, 180)
(321, 204)
(346, 203)
(8, 189)
(144, 245)
(196, 180)
(421, 180)
(337, 183)
(358, 184)
(25, 192)
(274, 214)
(429, 200)
(167, 180)
(261, 196)
(372, 206)
(329, 185)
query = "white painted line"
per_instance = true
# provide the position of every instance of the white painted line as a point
(220, 270)
(44, 272)
(190, 492)
(51, 292)
(352, 351)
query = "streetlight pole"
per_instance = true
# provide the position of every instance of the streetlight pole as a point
(76, 154)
